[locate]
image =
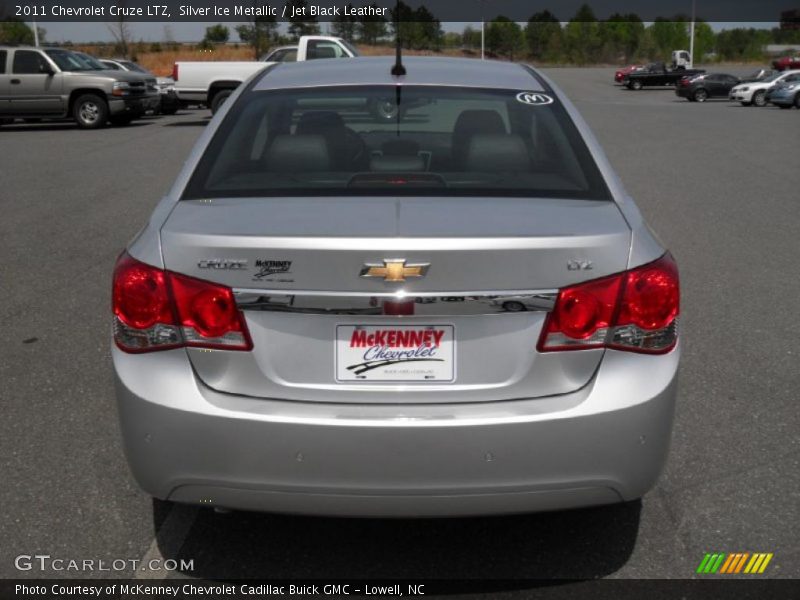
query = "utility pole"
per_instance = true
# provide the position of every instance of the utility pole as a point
(691, 35)
(35, 33)
(483, 31)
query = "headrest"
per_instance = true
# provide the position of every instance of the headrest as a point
(319, 121)
(472, 122)
(397, 163)
(496, 152)
(298, 153)
(400, 147)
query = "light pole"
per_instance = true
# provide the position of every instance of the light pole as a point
(35, 33)
(691, 35)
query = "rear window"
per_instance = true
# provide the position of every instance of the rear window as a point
(391, 140)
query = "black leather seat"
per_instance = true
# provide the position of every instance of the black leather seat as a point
(470, 123)
(298, 154)
(492, 152)
(329, 125)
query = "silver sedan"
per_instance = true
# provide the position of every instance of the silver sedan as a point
(455, 311)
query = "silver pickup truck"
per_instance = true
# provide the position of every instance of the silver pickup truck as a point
(53, 83)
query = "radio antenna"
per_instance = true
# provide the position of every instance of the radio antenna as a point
(398, 70)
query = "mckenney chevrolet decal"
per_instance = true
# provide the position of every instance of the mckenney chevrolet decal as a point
(395, 353)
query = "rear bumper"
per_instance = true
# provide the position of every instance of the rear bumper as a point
(602, 444)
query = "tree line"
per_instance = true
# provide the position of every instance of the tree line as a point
(584, 39)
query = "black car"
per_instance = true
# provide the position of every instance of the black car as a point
(699, 88)
(656, 74)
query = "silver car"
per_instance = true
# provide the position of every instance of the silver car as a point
(456, 312)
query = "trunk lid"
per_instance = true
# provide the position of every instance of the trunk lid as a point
(302, 259)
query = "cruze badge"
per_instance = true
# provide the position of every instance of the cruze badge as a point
(223, 263)
(534, 98)
(394, 269)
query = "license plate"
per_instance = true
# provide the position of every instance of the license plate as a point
(395, 353)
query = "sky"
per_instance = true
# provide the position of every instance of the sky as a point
(194, 32)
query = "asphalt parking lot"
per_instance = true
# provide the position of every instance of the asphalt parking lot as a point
(718, 182)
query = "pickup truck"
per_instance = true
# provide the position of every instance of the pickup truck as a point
(211, 83)
(786, 63)
(658, 74)
(54, 83)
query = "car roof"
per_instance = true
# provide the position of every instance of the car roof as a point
(420, 70)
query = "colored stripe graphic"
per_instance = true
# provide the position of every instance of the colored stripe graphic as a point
(741, 562)
(701, 568)
(733, 563)
(764, 564)
(730, 565)
(727, 564)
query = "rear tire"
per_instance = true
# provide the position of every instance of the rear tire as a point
(760, 98)
(635, 85)
(90, 111)
(797, 100)
(701, 95)
(219, 99)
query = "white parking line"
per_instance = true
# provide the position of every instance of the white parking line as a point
(169, 537)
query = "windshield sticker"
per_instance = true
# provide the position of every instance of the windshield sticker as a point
(534, 98)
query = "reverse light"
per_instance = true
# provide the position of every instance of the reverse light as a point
(636, 311)
(155, 309)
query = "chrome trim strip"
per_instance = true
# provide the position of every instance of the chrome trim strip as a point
(370, 303)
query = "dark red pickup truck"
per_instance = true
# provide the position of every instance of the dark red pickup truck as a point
(786, 62)
(658, 75)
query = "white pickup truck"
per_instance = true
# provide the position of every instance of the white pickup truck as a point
(211, 82)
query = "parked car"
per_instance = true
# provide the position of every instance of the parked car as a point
(620, 74)
(702, 87)
(268, 346)
(756, 92)
(211, 83)
(786, 63)
(786, 93)
(658, 75)
(165, 85)
(53, 83)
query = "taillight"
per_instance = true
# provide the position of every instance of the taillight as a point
(175, 71)
(208, 315)
(156, 310)
(636, 310)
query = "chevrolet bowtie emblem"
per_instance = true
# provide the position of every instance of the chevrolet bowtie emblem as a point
(394, 269)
